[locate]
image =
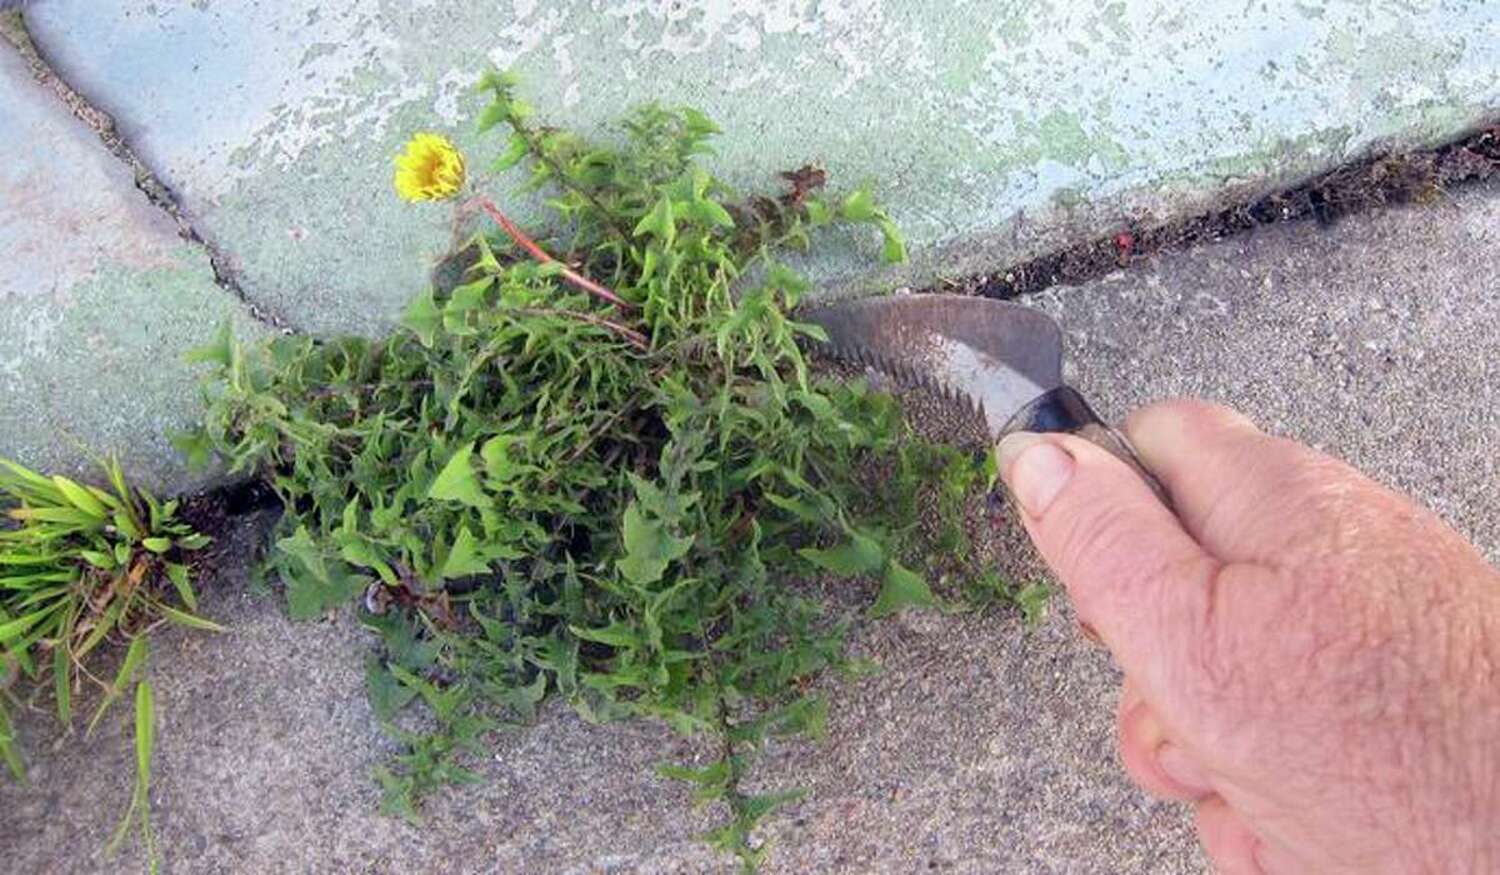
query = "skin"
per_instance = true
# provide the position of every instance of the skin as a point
(1312, 660)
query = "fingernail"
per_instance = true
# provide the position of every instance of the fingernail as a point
(1035, 469)
(1181, 768)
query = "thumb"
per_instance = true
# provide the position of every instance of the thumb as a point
(1134, 574)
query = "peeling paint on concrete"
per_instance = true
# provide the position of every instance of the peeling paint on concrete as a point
(994, 129)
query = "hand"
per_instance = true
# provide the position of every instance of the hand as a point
(1311, 659)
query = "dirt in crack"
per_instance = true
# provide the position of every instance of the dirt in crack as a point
(1386, 180)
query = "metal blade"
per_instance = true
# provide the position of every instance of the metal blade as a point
(996, 356)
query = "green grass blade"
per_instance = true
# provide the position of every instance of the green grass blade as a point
(26, 481)
(145, 743)
(135, 657)
(8, 750)
(80, 497)
(183, 618)
(145, 734)
(178, 574)
(65, 515)
(15, 628)
(62, 680)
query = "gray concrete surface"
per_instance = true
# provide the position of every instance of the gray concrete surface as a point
(994, 130)
(976, 749)
(99, 298)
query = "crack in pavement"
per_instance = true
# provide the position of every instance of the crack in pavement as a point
(1359, 185)
(13, 31)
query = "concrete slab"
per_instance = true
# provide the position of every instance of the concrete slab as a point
(977, 749)
(99, 298)
(1377, 340)
(995, 130)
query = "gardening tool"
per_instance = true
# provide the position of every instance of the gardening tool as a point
(1001, 358)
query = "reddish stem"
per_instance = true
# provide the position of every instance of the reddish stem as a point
(541, 255)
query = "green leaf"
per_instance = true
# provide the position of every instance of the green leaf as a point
(178, 574)
(145, 731)
(859, 205)
(514, 152)
(698, 123)
(991, 469)
(313, 585)
(818, 212)
(80, 498)
(14, 628)
(497, 81)
(616, 634)
(127, 528)
(1033, 599)
(861, 554)
(195, 541)
(494, 114)
(464, 557)
(806, 511)
(157, 545)
(711, 213)
(423, 318)
(135, 657)
(362, 554)
(191, 621)
(902, 588)
(660, 222)
(102, 561)
(145, 744)
(386, 694)
(459, 482)
(219, 352)
(649, 548)
(62, 682)
(894, 248)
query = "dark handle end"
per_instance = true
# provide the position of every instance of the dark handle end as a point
(1064, 410)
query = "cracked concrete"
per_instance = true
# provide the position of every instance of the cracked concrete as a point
(994, 131)
(272, 127)
(13, 30)
(101, 297)
(976, 749)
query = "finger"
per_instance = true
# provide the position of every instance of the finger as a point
(1227, 841)
(1235, 487)
(1160, 767)
(1134, 574)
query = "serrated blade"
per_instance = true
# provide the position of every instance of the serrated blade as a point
(996, 356)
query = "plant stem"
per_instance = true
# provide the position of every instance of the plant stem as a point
(636, 339)
(536, 252)
(563, 179)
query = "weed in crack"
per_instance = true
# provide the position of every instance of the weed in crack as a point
(588, 470)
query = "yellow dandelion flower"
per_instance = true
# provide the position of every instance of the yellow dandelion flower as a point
(430, 168)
